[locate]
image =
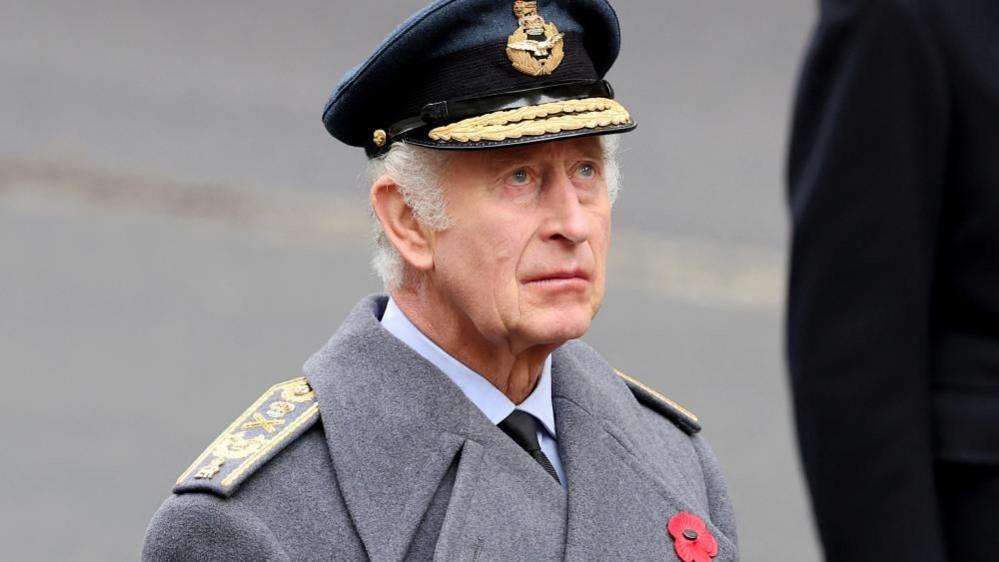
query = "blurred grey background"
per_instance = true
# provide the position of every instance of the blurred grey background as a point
(177, 232)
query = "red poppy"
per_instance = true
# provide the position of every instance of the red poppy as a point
(691, 539)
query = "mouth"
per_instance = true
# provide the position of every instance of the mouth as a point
(561, 279)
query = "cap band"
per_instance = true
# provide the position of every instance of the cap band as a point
(443, 112)
(535, 120)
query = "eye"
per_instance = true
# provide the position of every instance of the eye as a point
(586, 171)
(520, 177)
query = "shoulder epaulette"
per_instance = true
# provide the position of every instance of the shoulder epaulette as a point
(283, 413)
(646, 395)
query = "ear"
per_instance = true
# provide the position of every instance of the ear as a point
(411, 239)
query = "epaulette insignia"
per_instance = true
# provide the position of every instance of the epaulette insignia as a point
(283, 413)
(649, 397)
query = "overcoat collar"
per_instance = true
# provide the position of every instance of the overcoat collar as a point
(395, 425)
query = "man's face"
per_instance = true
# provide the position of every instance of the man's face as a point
(525, 256)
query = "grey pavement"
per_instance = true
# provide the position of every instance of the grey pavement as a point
(177, 232)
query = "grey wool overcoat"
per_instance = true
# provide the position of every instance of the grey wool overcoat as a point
(377, 455)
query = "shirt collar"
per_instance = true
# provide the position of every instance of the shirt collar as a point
(493, 403)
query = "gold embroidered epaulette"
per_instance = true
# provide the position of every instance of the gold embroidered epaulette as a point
(682, 417)
(283, 413)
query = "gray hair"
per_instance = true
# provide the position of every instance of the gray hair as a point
(418, 172)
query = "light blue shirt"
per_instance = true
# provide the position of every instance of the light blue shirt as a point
(493, 403)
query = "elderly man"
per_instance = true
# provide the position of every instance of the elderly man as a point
(458, 418)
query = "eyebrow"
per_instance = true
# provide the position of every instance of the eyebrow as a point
(514, 155)
(593, 150)
(502, 158)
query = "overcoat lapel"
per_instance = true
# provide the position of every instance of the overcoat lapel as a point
(380, 407)
(452, 543)
(503, 506)
(619, 499)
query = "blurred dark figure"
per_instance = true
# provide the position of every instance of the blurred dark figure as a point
(893, 315)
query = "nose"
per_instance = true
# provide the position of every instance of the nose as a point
(567, 218)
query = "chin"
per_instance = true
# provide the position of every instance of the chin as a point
(559, 325)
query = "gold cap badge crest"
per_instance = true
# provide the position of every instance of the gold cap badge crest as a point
(536, 47)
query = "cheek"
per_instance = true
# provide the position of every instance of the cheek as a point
(502, 238)
(484, 252)
(600, 243)
(503, 255)
(505, 241)
(600, 237)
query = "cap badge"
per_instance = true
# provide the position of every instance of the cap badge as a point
(536, 48)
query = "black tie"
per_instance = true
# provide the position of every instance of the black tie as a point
(522, 428)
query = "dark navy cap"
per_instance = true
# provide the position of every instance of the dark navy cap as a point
(472, 74)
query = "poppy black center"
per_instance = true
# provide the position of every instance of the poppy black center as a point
(690, 534)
